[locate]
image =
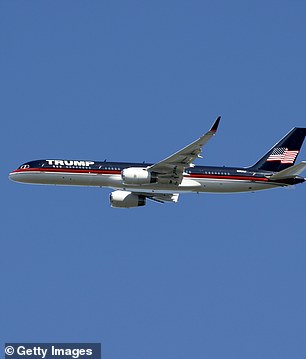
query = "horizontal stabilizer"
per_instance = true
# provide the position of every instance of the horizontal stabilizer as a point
(290, 172)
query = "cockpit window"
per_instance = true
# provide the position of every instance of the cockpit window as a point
(24, 166)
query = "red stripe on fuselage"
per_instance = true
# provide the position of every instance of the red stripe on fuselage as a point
(118, 172)
(67, 170)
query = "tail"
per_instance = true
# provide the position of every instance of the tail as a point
(283, 154)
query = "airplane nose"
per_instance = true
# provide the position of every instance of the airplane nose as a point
(13, 176)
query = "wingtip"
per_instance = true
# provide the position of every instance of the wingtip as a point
(216, 124)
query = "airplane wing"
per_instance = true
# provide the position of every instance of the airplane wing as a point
(171, 168)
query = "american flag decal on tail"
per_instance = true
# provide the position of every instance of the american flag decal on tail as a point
(283, 155)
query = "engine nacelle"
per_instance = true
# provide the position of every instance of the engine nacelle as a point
(126, 199)
(137, 175)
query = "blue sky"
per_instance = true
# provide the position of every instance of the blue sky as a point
(212, 276)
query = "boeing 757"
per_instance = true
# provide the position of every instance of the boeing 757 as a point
(163, 181)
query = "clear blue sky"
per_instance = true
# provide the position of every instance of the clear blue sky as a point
(211, 277)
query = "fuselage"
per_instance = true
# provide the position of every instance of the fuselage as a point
(109, 174)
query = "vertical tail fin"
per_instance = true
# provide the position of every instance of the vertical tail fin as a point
(283, 154)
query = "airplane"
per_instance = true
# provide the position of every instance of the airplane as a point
(164, 181)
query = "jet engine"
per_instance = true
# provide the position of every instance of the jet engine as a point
(138, 175)
(126, 199)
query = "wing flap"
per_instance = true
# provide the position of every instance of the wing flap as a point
(164, 197)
